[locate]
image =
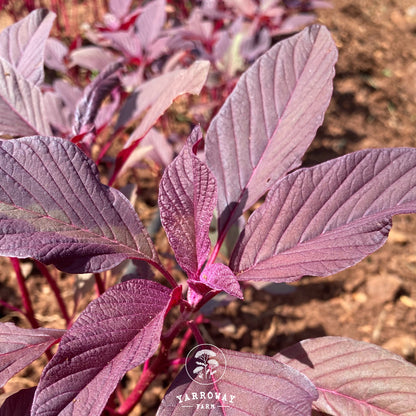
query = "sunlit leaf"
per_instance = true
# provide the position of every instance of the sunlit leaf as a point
(54, 208)
(23, 44)
(21, 104)
(354, 377)
(187, 197)
(115, 333)
(318, 221)
(269, 120)
(20, 346)
(239, 384)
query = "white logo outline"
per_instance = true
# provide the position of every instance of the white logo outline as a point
(207, 365)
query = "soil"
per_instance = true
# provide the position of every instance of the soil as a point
(373, 105)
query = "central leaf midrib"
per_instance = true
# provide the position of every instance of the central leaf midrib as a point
(255, 169)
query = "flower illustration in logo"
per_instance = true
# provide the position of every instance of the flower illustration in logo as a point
(205, 364)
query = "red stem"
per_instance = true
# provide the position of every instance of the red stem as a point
(184, 342)
(177, 361)
(146, 378)
(211, 294)
(218, 244)
(11, 307)
(146, 365)
(30, 5)
(55, 289)
(27, 303)
(99, 284)
(165, 273)
(103, 151)
(189, 332)
(195, 331)
(108, 144)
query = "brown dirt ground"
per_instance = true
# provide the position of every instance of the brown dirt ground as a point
(374, 105)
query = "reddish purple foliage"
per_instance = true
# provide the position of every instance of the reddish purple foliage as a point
(314, 221)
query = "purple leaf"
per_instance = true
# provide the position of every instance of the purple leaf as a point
(228, 50)
(243, 383)
(154, 146)
(110, 21)
(60, 106)
(106, 112)
(354, 377)
(55, 53)
(93, 58)
(294, 22)
(69, 93)
(21, 104)
(159, 93)
(117, 332)
(150, 22)
(269, 120)
(160, 49)
(256, 44)
(140, 152)
(54, 208)
(196, 30)
(222, 47)
(58, 115)
(126, 42)
(119, 7)
(94, 95)
(19, 347)
(242, 7)
(214, 276)
(23, 43)
(315, 4)
(18, 404)
(318, 221)
(162, 151)
(187, 197)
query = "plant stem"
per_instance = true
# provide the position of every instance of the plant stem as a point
(55, 289)
(99, 284)
(107, 145)
(55, 9)
(184, 342)
(177, 362)
(11, 307)
(195, 331)
(146, 365)
(110, 410)
(211, 294)
(146, 378)
(27, 303)
(165, 273)
(217, 248)
(103, 151)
